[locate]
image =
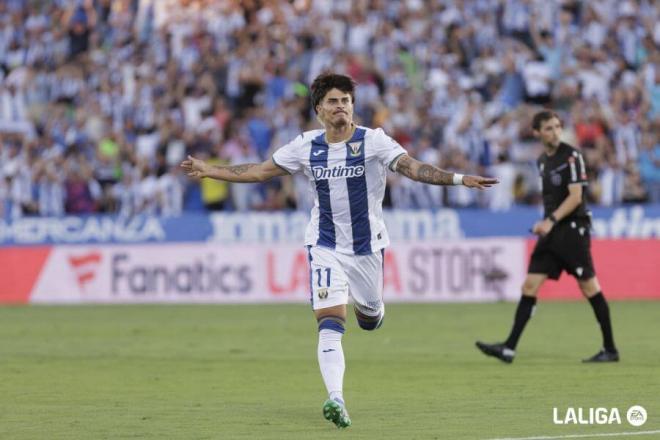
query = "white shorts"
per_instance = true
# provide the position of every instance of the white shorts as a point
(334, 277)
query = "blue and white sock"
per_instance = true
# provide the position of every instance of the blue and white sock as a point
(331, 355)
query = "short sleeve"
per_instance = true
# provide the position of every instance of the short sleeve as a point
(577, 168)
(288, 156)
(387, 149)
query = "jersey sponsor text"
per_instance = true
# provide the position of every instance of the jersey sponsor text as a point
(338, 172)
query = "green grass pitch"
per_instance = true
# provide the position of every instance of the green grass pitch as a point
(250, 372)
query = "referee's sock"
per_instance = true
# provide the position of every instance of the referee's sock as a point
(523, 313)
(602, 311)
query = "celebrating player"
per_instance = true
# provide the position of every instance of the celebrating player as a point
(346, 166)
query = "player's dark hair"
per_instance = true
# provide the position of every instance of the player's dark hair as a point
(541, 117)
(328, 81)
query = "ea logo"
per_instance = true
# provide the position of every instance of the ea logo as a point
(636, 415)
(323, 293)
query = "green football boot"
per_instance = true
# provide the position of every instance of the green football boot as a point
(335, 412)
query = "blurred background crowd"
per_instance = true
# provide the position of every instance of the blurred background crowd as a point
(100, 100)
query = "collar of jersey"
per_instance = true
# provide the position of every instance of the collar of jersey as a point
(357, 135)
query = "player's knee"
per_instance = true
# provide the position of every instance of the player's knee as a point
(530, 288)
(369, 323)
(589, 287)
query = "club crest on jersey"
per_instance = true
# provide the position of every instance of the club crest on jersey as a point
(355, 148)
(322, 292)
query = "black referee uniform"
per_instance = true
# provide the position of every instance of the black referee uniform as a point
(568, 245)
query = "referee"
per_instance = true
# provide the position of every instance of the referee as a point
(564, 241)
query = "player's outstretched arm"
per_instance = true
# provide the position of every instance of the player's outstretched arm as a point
(248, 172)
(426, 173)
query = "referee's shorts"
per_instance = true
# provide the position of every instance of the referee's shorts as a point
(567, 247)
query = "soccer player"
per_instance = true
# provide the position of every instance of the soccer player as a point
(346, 166)
(564, 239)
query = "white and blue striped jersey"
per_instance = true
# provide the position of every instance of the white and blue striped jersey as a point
(348, 183)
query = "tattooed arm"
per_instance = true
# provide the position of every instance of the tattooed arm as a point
(426, 173)
(249, 172)
(423, 172)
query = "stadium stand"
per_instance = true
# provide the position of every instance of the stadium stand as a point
(100, 100)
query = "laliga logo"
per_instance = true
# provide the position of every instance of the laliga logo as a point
(636, 416)
(84, 267)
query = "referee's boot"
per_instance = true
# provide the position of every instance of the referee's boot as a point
(603, 356)
(500, 351)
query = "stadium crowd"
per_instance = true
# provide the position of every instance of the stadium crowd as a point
(100, 100)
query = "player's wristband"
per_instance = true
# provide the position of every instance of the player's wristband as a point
(552, 218)
(457, 179)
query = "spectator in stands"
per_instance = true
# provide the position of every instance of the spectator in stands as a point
(215, 194)
(649, 165)
(80, 19)
(247, 196)
(82, 192)
(501, 199)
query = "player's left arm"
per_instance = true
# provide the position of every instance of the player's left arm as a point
(570, 203)
(427, 173)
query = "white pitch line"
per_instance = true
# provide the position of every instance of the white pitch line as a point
(558, 437)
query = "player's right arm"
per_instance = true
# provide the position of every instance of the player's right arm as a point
(248, 172)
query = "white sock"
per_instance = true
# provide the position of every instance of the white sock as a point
(331, 362)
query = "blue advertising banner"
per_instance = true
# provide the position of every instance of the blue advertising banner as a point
(627, 222)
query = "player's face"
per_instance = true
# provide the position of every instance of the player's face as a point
(336, 108)
(550, 132)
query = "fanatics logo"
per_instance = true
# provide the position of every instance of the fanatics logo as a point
(84, 267)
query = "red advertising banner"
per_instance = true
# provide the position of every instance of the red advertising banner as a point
(480, 269)
(626, 269)
(19, 270)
